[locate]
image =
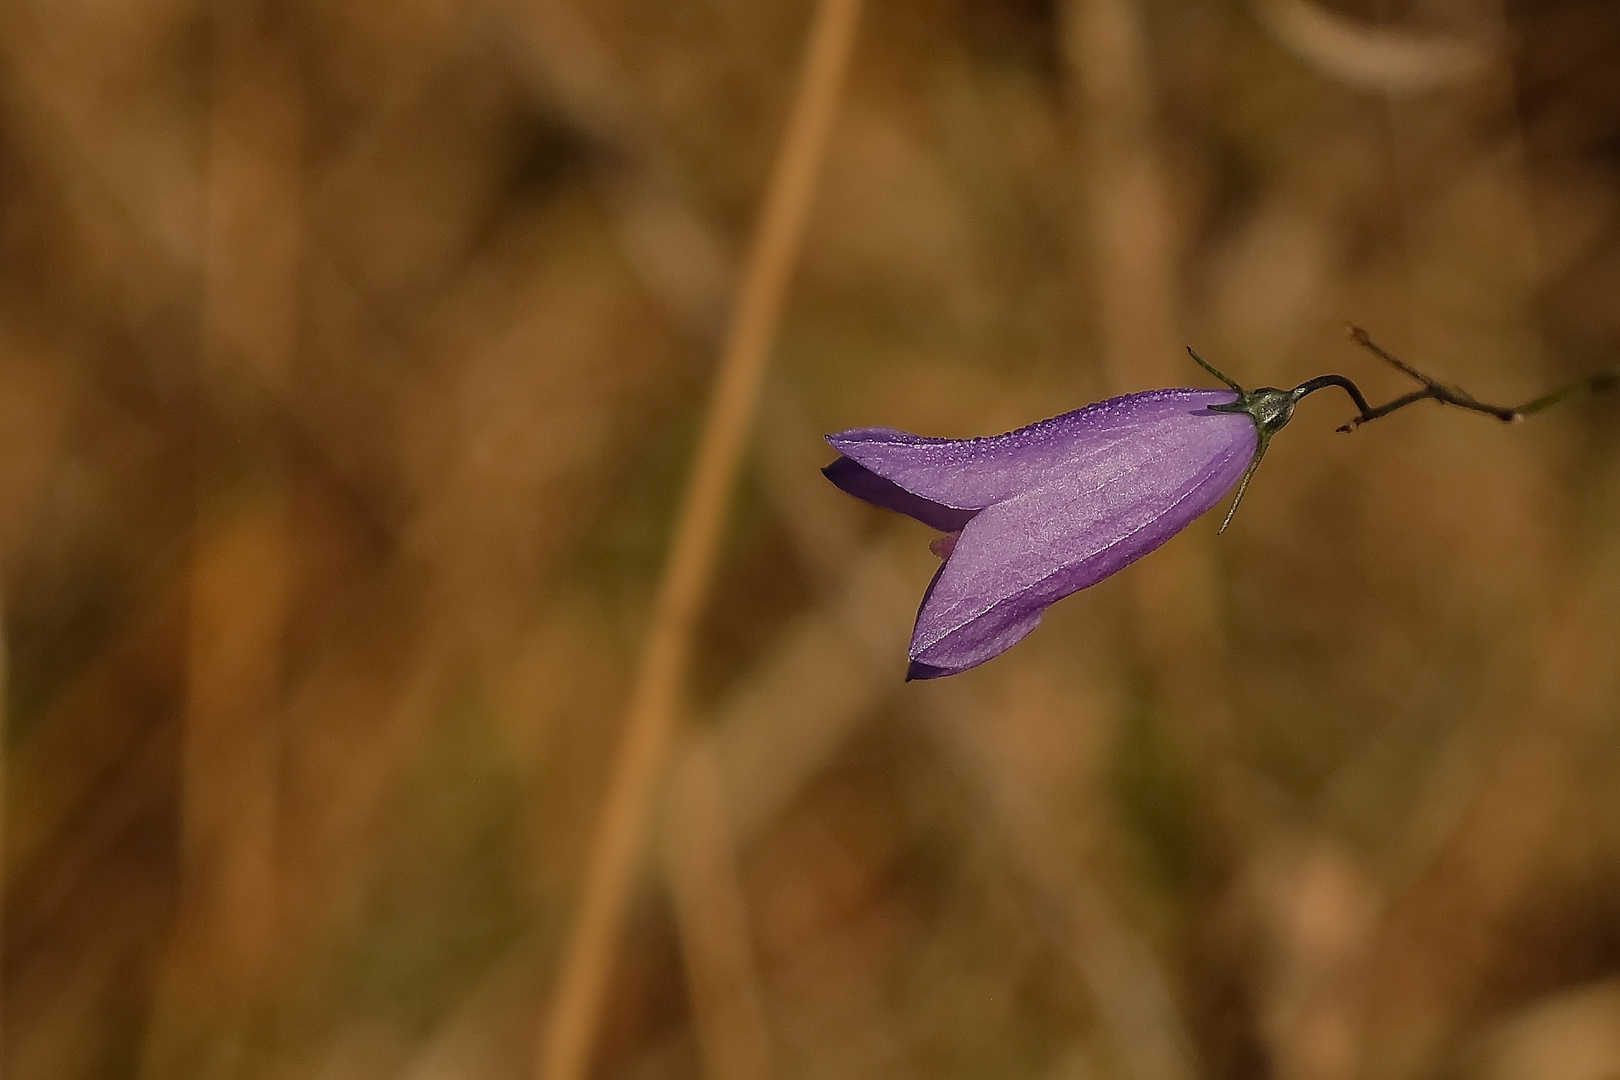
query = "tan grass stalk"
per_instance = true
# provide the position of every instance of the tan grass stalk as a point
(689, 566)
(712, 917)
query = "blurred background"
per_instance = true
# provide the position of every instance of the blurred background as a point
(351, 357)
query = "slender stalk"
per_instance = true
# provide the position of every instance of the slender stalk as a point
(1322, 382)
(689, 566)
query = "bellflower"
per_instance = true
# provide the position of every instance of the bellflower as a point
(1038, 513)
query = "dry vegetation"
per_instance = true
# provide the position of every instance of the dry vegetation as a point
(351, 357)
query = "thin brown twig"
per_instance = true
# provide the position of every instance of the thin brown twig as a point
(1434, 390)
(689, 566)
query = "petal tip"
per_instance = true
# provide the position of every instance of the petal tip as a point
(853, 478)
(917, 671)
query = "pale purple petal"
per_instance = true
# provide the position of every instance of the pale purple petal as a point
(970, 474)
(1083, 522)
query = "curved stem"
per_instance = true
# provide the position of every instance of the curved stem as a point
(1322, 382)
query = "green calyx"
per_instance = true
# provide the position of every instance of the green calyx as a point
(1269, 408)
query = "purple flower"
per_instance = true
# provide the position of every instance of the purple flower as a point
(1038, 513)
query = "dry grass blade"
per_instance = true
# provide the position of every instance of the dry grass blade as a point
(711, 912)
(690, 562)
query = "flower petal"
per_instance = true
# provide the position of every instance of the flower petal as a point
(861, 482)
(970, 474)
(1024, 553)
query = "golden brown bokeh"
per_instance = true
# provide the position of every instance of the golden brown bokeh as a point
(353, 356)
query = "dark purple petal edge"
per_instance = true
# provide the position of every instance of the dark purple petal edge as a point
(856, 479)
(917, 670)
